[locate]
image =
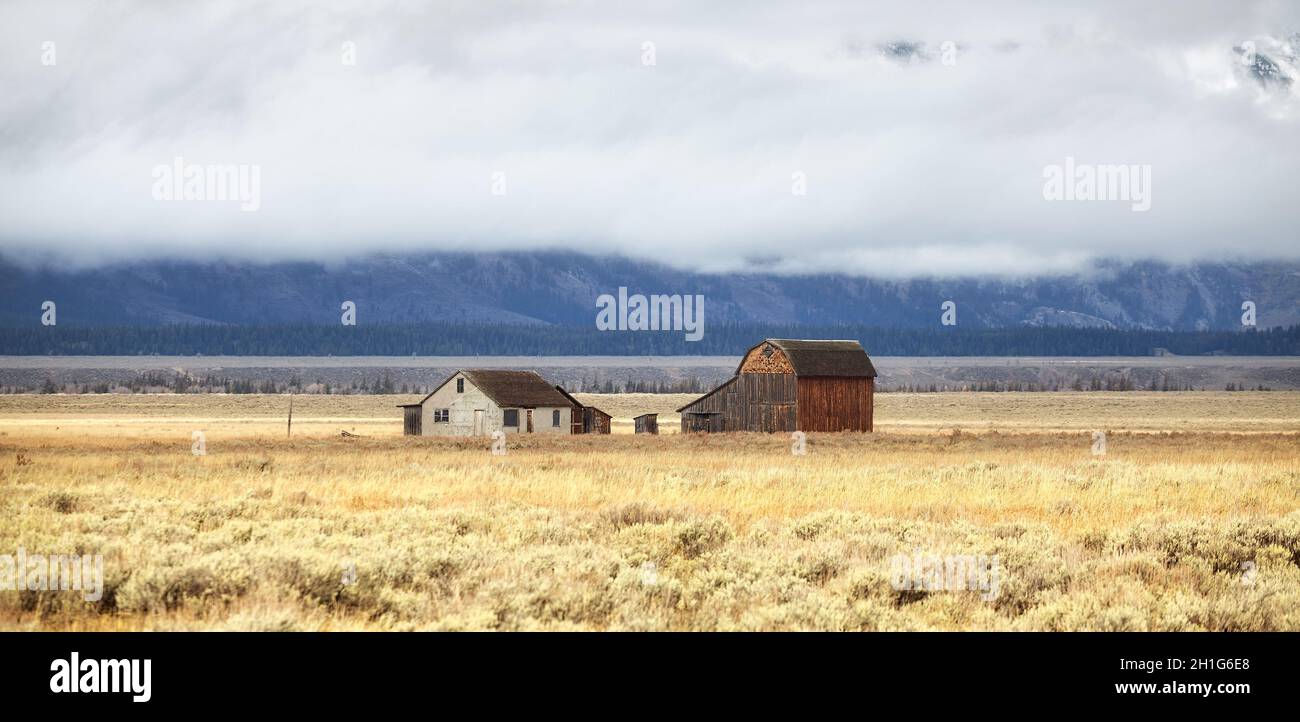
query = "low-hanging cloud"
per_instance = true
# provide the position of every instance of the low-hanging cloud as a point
(902, 139)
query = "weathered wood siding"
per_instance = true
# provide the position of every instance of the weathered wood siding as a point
(595, 421)
(749, 402)
(694, 422)
(834, 403)
(763, 402)
(647, 424)
(411, 421)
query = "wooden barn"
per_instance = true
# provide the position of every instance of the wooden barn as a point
(789, 385)
(647, 423)
(587, 419)
(476, 402)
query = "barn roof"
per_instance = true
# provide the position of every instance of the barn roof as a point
(523, 389)
(720, 387)
(823, 358)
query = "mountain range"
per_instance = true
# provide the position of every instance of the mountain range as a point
(561, 288)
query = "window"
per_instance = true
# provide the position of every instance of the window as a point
(555, 417)
(511, 418)
(460, 386)
(441, 416)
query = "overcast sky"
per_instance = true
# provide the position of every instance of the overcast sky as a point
(914, 165)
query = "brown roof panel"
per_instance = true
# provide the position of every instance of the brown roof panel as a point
(572, 401)
(515, 388)
(510, 389)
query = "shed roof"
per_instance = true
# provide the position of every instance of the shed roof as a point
(823, 358)
(576, 403)
(720, 387)
(522, 389)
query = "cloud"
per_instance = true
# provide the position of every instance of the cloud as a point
(912, 165)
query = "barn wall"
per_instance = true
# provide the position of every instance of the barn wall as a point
(835, 403)
(719, 402)
(762, 402)
(695, 423)
(753, 402)
(716, 402)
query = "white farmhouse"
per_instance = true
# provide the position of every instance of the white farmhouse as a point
(476, 402)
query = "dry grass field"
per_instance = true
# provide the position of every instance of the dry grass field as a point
(1189, 521)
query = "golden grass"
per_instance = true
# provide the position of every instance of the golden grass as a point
(1194, 490)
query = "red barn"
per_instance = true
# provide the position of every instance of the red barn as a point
(790, 385)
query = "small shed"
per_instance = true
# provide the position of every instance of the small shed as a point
(587, 419)
(595, 421)
(647, 423)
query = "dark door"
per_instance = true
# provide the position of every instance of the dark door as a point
(412, 421)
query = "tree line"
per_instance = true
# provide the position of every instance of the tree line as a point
(724, 339)
(148, 382)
